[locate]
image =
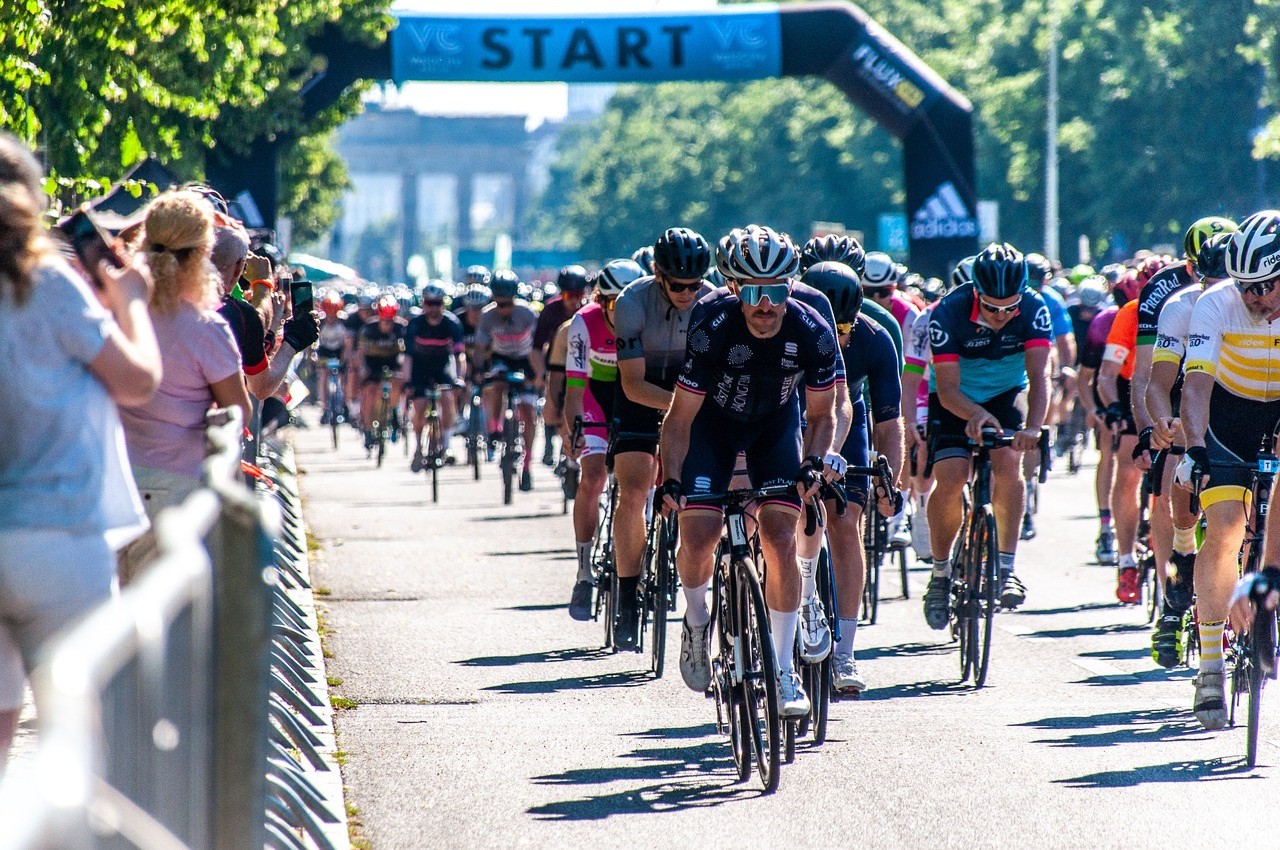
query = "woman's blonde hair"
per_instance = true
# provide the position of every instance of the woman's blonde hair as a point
(23, 241)
(178, 237)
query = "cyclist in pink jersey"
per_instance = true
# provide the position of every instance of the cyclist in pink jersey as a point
(591, 375)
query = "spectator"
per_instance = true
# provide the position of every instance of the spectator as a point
(66, 358)
(201, 361)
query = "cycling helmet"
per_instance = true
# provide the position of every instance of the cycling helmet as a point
(1092, 292)
(715, 278)
(1112, 272)
(963, 272)
(1254, 252)
(1148, 269)
(477, 275)
(932, 289)
(880, 270)
(1079, 273)
(834, 249)
(331, 304)
(1126, 289)
(615, 276)
(1212, 259)
(506, 284)
(388, 309)
(1201, 230)
(571, 279)
(682, 253)
(759, 253)
(644, 258)
(432, 292)
(1038, 268)
(840, 284)
(723, 249)
(475, 296)
(1000, 271)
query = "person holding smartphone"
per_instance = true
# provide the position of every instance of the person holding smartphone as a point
(72, 346)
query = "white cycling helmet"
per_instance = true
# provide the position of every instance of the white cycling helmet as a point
(881, 270)
(1092, 292)
(757, 253)
(616, 275)
(963, 272)
(1253, 254)
(475, 296)
(433, 292)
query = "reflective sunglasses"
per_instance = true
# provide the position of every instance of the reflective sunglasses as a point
(754, 293)
(1258, 287)
(997, 310)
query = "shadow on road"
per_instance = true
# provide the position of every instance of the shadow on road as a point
(1071, 609)
(561, 551)
(1132, 727)
(506, 517)
(681, 777)
(551, 606)
(1083, 631)
(1141, 676)
(1119, 654)
(575, 654)
(905, 650)
(936, 687)
(1178, 771)
(625, 679)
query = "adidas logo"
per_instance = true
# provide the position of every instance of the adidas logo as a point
(943, 216)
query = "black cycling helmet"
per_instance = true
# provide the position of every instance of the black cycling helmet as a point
(840, 284)
(1211, 259)
(1000, 271)
(477, 275)
(506, 284)
(834, 249)
(1038, 268)
(644, 256)
(682, 253)
(572, 279)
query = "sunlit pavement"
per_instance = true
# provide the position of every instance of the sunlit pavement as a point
(487, 717)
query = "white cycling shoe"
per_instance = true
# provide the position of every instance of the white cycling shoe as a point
(815, 631)
(792, 700)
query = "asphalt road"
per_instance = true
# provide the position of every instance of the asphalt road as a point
(487, 717)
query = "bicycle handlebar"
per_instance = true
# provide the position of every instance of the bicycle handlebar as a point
(739, 498)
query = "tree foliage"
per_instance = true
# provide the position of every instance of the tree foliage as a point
(1162, 107)
(95, 85)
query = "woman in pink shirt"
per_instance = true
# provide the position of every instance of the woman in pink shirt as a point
(201, 362)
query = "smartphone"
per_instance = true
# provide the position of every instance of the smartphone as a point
(300, 292)
(90, 242)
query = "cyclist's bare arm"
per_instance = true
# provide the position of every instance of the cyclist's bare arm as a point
(887, 438)
(1108, 372)
(1197, 387)
(910, 387)
(631, 373)
(573, 393)
(844, 413)
(820, 421)
(1140, 381)
(1037, 365)
(1159, 407)
(674, 444)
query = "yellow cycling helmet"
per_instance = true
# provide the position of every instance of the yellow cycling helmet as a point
(1201, 230)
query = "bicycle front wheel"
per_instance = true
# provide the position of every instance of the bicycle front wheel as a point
(986, 552)
(876, 544)
(1262, 660)
(663, 565)
(509, 457)
(759, 676)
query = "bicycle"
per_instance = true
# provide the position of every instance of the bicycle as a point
(335, 407)
(604, 563)
(433, 454)
(475, 432)
(382, 414)
(659, 585)
(744, 678)
(975, 580)
(513, 443)
(1072, 439)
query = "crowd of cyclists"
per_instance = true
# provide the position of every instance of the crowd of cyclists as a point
(691, 369)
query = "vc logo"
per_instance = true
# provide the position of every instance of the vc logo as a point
(739, 35)
(436, 39)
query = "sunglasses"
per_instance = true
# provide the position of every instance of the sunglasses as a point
(997, 310)
(754, 293)
(674, 287)
(503, 302)
(878, 291)
(1259, 288)
(433, 303)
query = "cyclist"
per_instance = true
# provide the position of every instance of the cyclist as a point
(1230, 401)
(848, 251)
(572, 283)
(644, 257)
(434, 343)
(738, 392)
(1164, 393)
(380, 346)
(334, 344)
(651, 321)
(591, 373)
(470, 303)
(871, 374)
(990, 344)
(504, 337)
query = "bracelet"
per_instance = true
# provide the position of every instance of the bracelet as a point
(264, 282)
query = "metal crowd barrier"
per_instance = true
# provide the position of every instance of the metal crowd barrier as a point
(175, 716)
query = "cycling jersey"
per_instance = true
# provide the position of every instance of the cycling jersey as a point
(991, 361)
(884, 319)
(554, 314)
(1081, 317)
(1122, 340)
(749, 378)
(333, 339)
(1175, 322)
(1095, 339)
(649, 326)
(903, 312)
(870, 366)
(468, 328)
(432, 349)
(509, 337)
(1240, 350)
(593, 364)
(1155, 295)
(380, 347)
(918, 360)
(1057, 311)
(802, 292)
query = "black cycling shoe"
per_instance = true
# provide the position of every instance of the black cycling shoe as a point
(580, 602)
(526, 481)
(1166, 641)
(937, 602)
(1179, 590)
(626, 627)
(1012, 591)
(1028, 527)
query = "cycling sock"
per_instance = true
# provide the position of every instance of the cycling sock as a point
(1211, 645)
(1184, 540)
(942, 567)
(584, 561)
(696, 610)
(782, 626)
(1127, 561)
(848, 627)
(1006, 562)
(627, 588)
(808, 579)
(1104, 517)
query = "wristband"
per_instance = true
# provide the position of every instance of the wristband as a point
(264, 282)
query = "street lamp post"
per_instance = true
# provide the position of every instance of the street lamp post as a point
(1051, 142)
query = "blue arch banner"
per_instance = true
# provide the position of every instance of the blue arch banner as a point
(730, 43)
